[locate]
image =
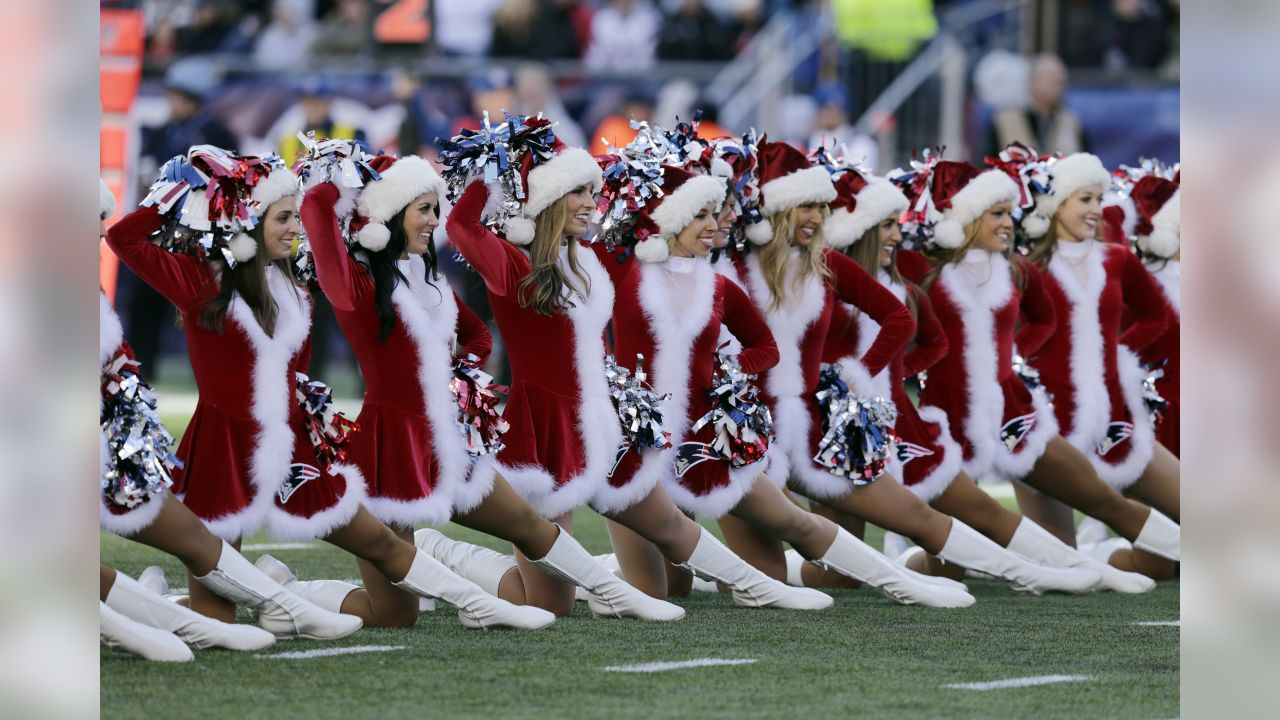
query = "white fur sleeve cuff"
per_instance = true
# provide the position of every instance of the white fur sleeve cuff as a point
(855, 375)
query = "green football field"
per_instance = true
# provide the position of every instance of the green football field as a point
(862, 658)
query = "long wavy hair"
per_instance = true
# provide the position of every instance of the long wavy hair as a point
(386, 275)
(547, 288)
(248, 280)
(941, 257)
(775, 257)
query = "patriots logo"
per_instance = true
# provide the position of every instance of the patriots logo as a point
(1117, 432)
(299, 475)
(910, 451)
(626, 445)
(1016, 429)
(692, 453)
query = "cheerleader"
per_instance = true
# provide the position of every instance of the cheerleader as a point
(796, 280)
(864, 223)
(1089, 366)
(552, 300)
(134, 502)
(672, 308)
(401, 318)
(247, 459)
(979, 295)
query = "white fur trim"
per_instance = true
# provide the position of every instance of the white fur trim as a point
(373, 236)
(1092, 406)
(852, 371)
(1017, 464)
(760, 233)
(1035, 225)
(679, 208)
(653, 249)
(106, 200)
(558, 176)
(721, 168)
(792, 455)
(133, 521)
(467, 496)
(1129, 210)
(272, 392)
(941, 477)
(717, 503)
(278, 184)
(1168, 273)
(675, 324)
(974, 199)
(110, 333)
(977, 306)
(1166, 229)
(285, 526)
(1142, 441)
(408, 178)
(879, 200)
(1071, 174)
(243, 247)
(812, 184)
(519, 230)
(839, 230)
(597, 421)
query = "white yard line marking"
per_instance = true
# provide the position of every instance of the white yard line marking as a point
(1159, 623)
(280, 546)
(1019, 682)
(662, 666)
(330, 652)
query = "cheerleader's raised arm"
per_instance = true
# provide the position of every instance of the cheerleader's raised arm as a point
(182, 279)
(500, 263)
(334, 267)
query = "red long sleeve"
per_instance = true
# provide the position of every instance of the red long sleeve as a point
(500, 264)
(1145, 301)
(930, 342)
(744, 322)
(473, 334)
(913, 265)
(1039, 320)
(334, 266)
(181, 279)
(856, 287)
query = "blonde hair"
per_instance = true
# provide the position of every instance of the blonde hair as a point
(941, 257)
(548, 288)
(776, 255)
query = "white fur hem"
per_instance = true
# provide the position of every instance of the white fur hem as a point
(653, 464)
(803, 186)
(1016, 464)
(1142, 441)
(468, 495)
(285, 526)
(717, 503)
(792, 458)
(435, 509)
(937, 481)
(133, 521)
(539, 489)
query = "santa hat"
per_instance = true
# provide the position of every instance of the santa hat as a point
(962, 193)
(1157, 217)
(683, 196)
(278, 183)
(400, 181)
(1071, 174)
(546, 182)
(106, 200)
(787, 180)
(860, 204)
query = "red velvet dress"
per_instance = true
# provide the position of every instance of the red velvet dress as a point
(800, 326)
(1167, 349)
(564, 435)
(247, 459)
(1089, 367)
(672, 313)
(1001, 426)
(408, 447)
(926, 457)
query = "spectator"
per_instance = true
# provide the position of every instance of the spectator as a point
(465, 27)
(537, 29)
(285, 43)
(832, 128)
(535, 93)
(616, 129)
(692, 32)
(1140, 40)
(1044, 124)
(316, 99)
(345, 30)
(211, 25)
(624, 36)
(422, 123)
(491, 93)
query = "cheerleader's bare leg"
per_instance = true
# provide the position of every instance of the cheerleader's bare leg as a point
(963, 499)
(544, 590)
(381, 603)
(810, 575)
(1158, 486)
(757, 546)
(177, 531)
(1053, 515)
(641, 562)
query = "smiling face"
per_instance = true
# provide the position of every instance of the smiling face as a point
(280, 228)
(1079, 216)
(724, 224)
(699, 236)
(808, 222)
(578, 204)
(890, 238)
(421, 218)
(995, 228)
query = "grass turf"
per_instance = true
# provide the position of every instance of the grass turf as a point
(863, 657)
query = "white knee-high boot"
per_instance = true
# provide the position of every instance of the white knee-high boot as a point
(137, 603)
(751, 588)
(1034, 542)
(853, 558)
(1161, 536)
(969, 548)
(122, 633)
(477, 609)
(328, 594)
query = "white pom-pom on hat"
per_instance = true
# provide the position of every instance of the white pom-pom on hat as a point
(948, 234)
(1035, 225)
(652, 249)
(243, 247)
(1166, 229)
(519, 230)
(373, 237)
(760, 233)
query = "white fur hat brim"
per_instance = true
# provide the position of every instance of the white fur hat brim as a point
(106, 201)
(811, 185)
(408, 178)
(1071, 174)
(967, 205)
(879, 200)
(1166, 229)
(679, 208)
(280, 183)
(558, 176)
